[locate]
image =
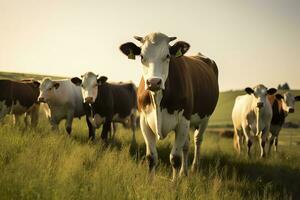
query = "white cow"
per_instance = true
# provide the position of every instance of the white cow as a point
(252, 112)
(64, 100)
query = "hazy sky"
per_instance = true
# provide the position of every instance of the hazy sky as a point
(252, 41)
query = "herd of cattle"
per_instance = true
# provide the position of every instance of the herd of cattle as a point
(176, 93)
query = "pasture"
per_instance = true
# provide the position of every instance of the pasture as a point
(41, 164)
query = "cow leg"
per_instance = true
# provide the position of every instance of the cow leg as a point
(54, 124)
(151, 151)
(176, 153)
(4, 110)
(34, 116)
(198, 137)
(248, 138)
(69, 121)
(133, 127)
(237, 140)
(26, 119)
(262, 142)
(112, 131)
(16, 120)
(276, 144)
(271, 142)
(106, 128)
(90, 127)
(185, 154)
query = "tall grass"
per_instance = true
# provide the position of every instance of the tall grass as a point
(41, 164)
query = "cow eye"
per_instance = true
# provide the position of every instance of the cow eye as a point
(168, 56)
(49, 89)
(142, 57)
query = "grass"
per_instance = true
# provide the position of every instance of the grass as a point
(41, 164)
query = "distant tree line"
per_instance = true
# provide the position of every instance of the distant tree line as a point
(284, 86)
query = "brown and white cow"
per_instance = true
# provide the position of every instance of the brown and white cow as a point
(18, 98)
(64, 100)
(107, 103)
(252, 112)
(282, 105)
(176, 92)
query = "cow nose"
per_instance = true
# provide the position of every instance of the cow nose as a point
(88, 99)
(291, 110)
(154, 84)
(260, 104)
(41, 99)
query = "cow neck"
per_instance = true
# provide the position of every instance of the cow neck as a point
(279, 114)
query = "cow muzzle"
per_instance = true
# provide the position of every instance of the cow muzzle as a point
(260, 104)
(291, 110)
(88, 100)
(154, 84)
(41, 100)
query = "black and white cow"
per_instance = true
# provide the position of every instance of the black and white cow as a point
(108, 103)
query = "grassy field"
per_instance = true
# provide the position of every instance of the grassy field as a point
(41, 164)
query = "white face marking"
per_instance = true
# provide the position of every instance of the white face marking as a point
(89, 86)
(288, 102)
(47, 89)
(155, 58)
(260, 94)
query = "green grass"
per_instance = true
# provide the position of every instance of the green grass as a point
(41, 164)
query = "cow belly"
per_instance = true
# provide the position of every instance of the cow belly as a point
(196, 120)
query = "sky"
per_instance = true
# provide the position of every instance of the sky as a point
(252, 41)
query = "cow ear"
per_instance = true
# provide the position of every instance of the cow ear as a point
(36, 84)
(130, 50)
(102, 80)
(56, 85)
(77, 81)
(179, 49)
(249, 90)
(297, 98)
(271, 91)
(278, 96)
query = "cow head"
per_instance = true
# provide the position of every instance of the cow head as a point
(260, 93)
(288, 101)
(89, 85)
(155, 53)
(47, 89)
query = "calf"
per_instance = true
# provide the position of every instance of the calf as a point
(252, 112)
(108, 103)
(176, 92)
(281, 106)
(18, 98)
(64, 100)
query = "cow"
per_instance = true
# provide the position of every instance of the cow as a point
(18, 98)
(282, 105)
(108, 103)
(252, 112)
(176, 93)
(64, 100)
